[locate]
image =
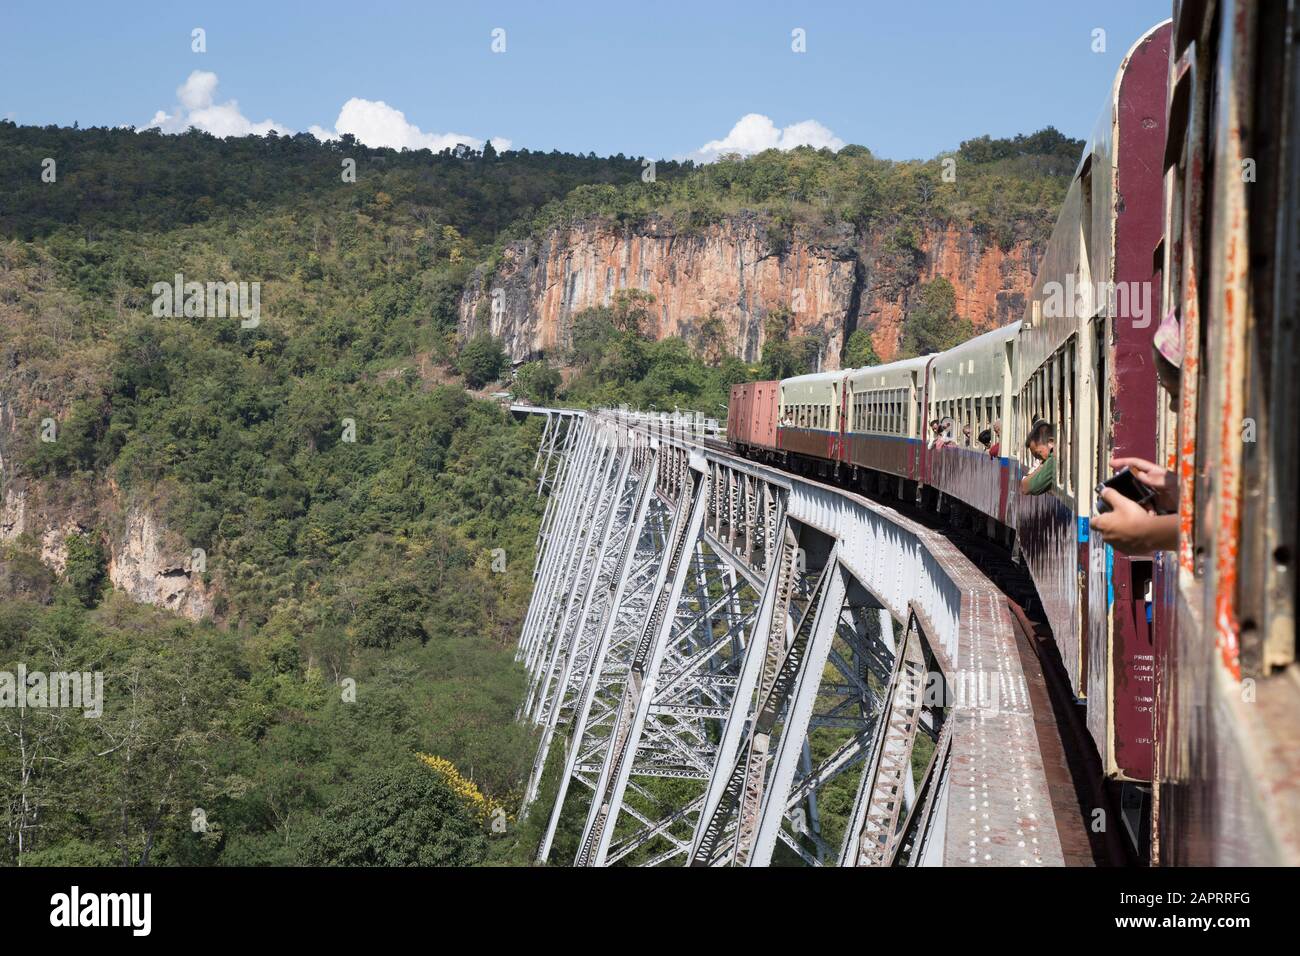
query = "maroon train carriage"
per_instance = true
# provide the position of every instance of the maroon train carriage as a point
(1084, 363)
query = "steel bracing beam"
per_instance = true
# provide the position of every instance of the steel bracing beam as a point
(875, 832)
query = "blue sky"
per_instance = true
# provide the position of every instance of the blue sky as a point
(661, 79)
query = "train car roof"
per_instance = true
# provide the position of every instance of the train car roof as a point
(903, 365)
(814, 377)
(984, 340)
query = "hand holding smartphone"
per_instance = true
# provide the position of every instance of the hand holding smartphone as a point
(1127, 484)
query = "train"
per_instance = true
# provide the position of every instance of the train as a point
(1160, 229)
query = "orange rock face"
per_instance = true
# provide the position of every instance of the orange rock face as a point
(991, 284)
(730, 271)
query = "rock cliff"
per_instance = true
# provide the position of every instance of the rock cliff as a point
(734, 271)
(145, 560)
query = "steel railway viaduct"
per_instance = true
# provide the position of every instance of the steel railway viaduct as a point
(731, 665)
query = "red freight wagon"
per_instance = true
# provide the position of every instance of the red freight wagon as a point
(751, 415)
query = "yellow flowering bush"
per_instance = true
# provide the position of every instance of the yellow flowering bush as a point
(485, 808)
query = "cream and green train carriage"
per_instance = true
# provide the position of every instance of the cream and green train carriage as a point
(1084, 363)
(971, 384)
(885, 425)
(811, 410)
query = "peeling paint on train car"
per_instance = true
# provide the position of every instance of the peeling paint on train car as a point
(1228, 756)
(972, 477)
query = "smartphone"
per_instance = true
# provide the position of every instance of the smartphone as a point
(1128, 485)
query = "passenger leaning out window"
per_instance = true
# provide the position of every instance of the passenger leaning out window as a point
(1042, 445)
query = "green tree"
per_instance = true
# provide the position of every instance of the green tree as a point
(403, 816)
(537, 381)
(87, 568)
(933, 325)
(785, 356)
(631, 311)
(481, 360)
(859, 351)
(391, 612)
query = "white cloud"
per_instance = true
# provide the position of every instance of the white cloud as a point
(198, 108)
(375, 123)
(755, 132)
(372, 122)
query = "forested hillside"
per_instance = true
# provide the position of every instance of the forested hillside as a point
(333, 526)
(366, 524)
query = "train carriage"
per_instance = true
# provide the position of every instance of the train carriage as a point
(1083, 363)
(752, 416)
(885, 426)
(1228, 697)
(970, 384)
(810, 423)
